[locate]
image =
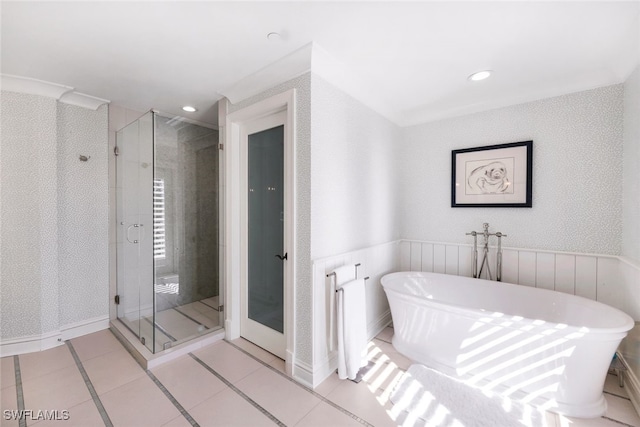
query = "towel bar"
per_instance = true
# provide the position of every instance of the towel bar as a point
(333, 283)
(338, 290)
(334, 273)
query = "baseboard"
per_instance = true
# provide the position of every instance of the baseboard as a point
(30, 344)
(324, 369)
(303, 373)
(374, 328)
(34, 343)
(85, 327)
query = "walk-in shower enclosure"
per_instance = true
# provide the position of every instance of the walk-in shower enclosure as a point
(167, 196)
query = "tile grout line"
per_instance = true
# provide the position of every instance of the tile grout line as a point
(89, 384)
(190, 318)
(173, 400)
(238, 391)
(616, 395)
(210, 306)
(617, 422)
(160, 328)
(305, 388)
(22, 421)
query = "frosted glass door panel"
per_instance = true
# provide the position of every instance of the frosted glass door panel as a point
(266, 226)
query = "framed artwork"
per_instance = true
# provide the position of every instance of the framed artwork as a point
(496, 176)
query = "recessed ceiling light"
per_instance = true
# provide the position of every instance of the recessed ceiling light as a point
(189, 109)
(274, 37)
(480, 75)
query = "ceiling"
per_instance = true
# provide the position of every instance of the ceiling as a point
(411, 59)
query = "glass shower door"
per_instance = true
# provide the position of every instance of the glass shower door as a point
(168, 226)
(134, 215)
(186, 230)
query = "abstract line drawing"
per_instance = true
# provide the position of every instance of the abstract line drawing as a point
(490, 178)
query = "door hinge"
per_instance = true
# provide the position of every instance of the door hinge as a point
(116, 151)
(221, 146)
(117, 299)
(221, 308)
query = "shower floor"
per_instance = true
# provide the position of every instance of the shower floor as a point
(178, 324)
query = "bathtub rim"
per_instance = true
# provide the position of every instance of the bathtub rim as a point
(465, 309)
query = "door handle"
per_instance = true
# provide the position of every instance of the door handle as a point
(281, 258)
(129, 229)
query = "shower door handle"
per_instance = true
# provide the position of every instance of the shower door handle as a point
(129, 230)
(282, 258)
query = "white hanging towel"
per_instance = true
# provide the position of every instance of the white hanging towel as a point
(352, 329)
(345, 274)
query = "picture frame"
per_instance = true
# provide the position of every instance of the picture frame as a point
(493, 176)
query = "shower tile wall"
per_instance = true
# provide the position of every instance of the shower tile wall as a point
(186, 159)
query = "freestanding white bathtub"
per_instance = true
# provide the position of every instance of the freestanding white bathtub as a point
(536, 346)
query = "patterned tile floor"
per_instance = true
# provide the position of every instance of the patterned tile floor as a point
(93, 381)
(177, 324)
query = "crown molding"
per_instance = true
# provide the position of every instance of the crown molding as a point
(33, 86)
(82, 100)
(56, 91)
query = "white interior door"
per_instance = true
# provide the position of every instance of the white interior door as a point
(264, 218)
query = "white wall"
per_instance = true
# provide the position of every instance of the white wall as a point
(29, 217)
(54, 265)
(353, 198)
(83, 212)
(631, 184)
(577, 174)
(354, 206)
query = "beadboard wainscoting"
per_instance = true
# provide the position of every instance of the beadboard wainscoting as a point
(609, 279)
(375, 262)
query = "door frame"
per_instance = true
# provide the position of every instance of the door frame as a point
(234, 229)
